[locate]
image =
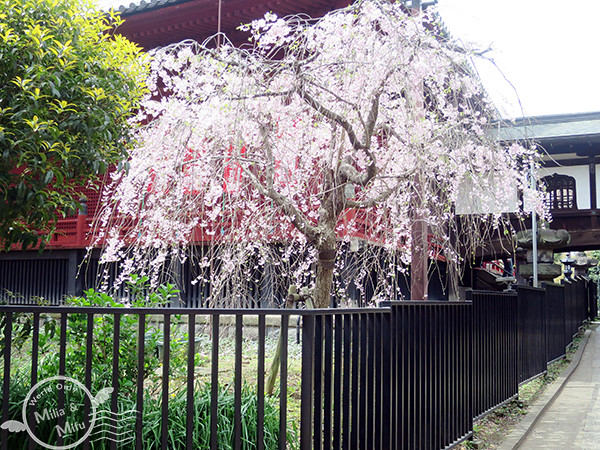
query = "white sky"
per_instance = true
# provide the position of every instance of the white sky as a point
(548, 49)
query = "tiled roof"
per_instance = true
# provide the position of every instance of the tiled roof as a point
(139, 6)
(555, 127)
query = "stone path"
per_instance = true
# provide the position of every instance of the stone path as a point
(572, 418)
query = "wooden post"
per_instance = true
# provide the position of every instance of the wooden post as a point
(593, 196)
(419, 249)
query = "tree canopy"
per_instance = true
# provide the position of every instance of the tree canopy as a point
(68, 86)
(318, 134)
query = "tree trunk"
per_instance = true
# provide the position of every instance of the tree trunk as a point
(325, 266)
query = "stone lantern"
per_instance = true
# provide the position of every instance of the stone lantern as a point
(581, 263)
(547, 241)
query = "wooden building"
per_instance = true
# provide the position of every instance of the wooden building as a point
(570, 171)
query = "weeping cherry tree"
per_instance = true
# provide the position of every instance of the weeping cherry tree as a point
(316, 136)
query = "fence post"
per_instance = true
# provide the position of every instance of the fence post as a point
(306, 389)
(592, 299)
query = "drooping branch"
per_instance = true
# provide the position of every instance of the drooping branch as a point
(369, 203)
(298, 219)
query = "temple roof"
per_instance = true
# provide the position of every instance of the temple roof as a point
(155, 23)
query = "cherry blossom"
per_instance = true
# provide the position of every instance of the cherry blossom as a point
(315, 138)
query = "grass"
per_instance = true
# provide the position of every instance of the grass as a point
(490, 431)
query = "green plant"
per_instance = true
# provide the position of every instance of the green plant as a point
(22, 324)
(152, 420)
(103, 343)
(102, 366)
(141, 292)
(69, 85)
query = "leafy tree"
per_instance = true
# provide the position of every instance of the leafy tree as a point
(344, 131)
(68, 86)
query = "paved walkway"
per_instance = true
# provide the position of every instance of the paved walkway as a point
(571, 419)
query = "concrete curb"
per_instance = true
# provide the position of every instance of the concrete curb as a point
(522, 430)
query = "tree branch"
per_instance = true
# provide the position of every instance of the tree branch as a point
(369, 203)
(298, 219)
(331, 116)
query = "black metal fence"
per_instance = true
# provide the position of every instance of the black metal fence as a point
(404, 376)
(531, 326)
(495, 350)
(556, 334)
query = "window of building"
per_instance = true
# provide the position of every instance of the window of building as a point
(560, 191)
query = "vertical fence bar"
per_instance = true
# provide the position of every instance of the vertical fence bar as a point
(89, 346)
(363, 381)
(347, 382)
(306, 392)
(285, 320)
(139, 432)
(260, 382)
(467, 317)
(164, 435)
(404, 340)
(62, 351)
(355, 382)
(424, 377)
(237, 411)
(434, 371)
(337, 382)
(413, 368)
(369, 424)
(328, 405)
(446, 379)
(189, 423)
(6, 381)
(388, 380)
(114, 407)
(34, 377)
(318, 383)
(377, 381)
(593, 298)
(214, 384)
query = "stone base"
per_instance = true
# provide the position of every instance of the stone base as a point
(546, 272)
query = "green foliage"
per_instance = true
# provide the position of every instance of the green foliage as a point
(201, 435)
(594, 272)
(68, 87)
(103, 343)
(102, 366)
(152, 415)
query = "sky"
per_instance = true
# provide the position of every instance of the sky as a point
(547, 51)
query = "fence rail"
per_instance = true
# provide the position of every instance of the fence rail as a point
(406, 375)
